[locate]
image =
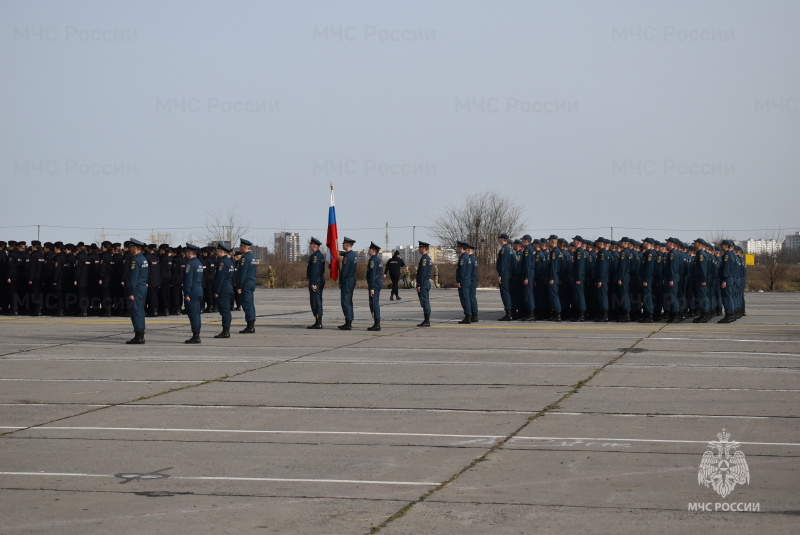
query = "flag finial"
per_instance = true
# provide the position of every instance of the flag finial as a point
(331, 186)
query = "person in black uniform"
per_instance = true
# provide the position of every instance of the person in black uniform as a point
(463, 281)
(424, 270)
(107, 273)
(393, 267)
(193, 290)
(35, 271)
(136, 288)
(3, 277)
(223, 288)
(473, 288)
(165, 293)
(504, 265)
(375, 274)
(82, 274)
(315, 273)
(154, 281)
(178, 267)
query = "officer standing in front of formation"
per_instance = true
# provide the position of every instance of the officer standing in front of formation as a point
(347, 282)
(315, 273)
(193, 290)
(424, 283)
(473, 287)
(246, 285)
(463, 281)
(136, 287)
(374, 285)
(393, 266)
(223, 288)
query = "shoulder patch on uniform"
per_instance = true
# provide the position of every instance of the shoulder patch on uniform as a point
(188, 268)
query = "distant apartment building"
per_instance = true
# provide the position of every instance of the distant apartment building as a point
(260, 254)
(408, 253)
(443, 255)
(761, 246)
(792, 242)
(288, 245)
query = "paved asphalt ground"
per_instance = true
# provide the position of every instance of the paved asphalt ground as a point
(488, 428)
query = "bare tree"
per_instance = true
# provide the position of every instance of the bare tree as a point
(775, 266)
(479, 219)
(226, 227)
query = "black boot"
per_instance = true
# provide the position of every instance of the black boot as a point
(507, 317)
(580, 317)
(625, 317)
(348, 325)
(251, 328)
(727, 319)
(138, 338)
(195, 339)
(466, 321)
(375, 326)
(703, 318)
(602, 317)
(317, 323)
(226, 333)
(474, 317)
(425, 322)
(556, 316)
(648, 318)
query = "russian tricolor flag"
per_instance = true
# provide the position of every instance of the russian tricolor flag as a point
(332, 243)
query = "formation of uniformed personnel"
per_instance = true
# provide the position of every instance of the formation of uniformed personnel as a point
(246, 285)
(424, 283)
(137, 290)
(223, 288)
(315, 273)
(374, 285)
(193, 290)
(605, 280)
(393, 267)
(347, 282)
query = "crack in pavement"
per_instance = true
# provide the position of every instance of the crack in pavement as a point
(501, 443)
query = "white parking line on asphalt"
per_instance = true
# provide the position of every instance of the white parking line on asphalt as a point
(655, 440)
(644, 415)
(105, 380)
(725, 340)
(254, 431)
(225, 478)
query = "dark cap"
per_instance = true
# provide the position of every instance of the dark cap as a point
(460, 243)
(579, 238)
(625, 239)
(373, 246)
(59, 244)
(649, 240)
(729, 243)
(424, 244)
(248, 243)
(552, 237)
(224, 247)
(503, 236)
(527, 237)
(36, 243)
(517, 242)
(136, 242)
(600, 240)
(348, 240)
(192, 247)
(314, 241)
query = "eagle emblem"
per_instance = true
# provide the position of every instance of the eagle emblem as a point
(721, 467)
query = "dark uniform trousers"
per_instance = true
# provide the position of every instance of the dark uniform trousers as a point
(315, 298)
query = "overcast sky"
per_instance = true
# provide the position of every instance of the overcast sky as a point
(680, 115)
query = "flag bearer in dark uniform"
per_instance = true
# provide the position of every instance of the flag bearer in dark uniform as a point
(154, 284)
(464, 281)
(347, 282)
(315, 273)
(136, 287)
(193, 290)
(223, 288)
(473, 286)
(393, 267)
(246, 285)
(424, 283)
(374, 285)
(165, 294)
(504, 265)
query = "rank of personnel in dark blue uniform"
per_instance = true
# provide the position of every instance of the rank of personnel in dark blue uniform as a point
(347, 282)
(315, 273)
(193, 290)
(223, 288)
(137, 290)
(374, 285)
(246, 285)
